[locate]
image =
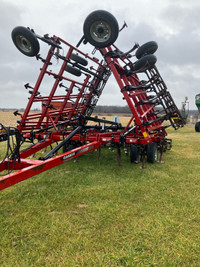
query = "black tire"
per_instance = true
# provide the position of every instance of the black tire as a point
(79, 59)
(73, 70)
(100, 28)
(25, 41)
(144, 63)
(133, 153)
(146, 49)
(71, 145)
(197, 126)
(67, 147)
(152, 152)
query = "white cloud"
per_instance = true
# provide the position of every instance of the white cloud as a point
(173, 24)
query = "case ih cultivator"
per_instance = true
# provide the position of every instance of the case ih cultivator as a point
(72, 93)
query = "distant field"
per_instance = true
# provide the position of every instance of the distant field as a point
(7, 118)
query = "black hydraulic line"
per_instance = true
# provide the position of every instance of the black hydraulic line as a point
(101, 120)
(52, 126)
(75, 119)
(97, 127)
(61, 144)
(16, 153)
(12, 152)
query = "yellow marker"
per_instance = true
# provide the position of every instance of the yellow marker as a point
(174, 118)
(145, 134)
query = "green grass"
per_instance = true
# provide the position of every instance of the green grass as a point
(94, 213)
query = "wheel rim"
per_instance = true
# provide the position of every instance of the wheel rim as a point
(100, 31)
(23, 44)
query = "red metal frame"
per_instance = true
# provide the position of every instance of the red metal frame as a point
(78, 99)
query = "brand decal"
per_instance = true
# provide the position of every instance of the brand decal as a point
(68, 156)
(71, 155)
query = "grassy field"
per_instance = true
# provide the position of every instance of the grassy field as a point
(94, 213)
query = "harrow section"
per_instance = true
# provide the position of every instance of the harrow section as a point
(69, 97)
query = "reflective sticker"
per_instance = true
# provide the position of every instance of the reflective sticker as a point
(106, 139)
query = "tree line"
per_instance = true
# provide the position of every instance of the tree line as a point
(112, 109)
(126, 109)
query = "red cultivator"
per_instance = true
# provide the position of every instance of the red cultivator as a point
(71, 94)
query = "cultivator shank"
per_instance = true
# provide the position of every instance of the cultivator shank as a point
(68, 99)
